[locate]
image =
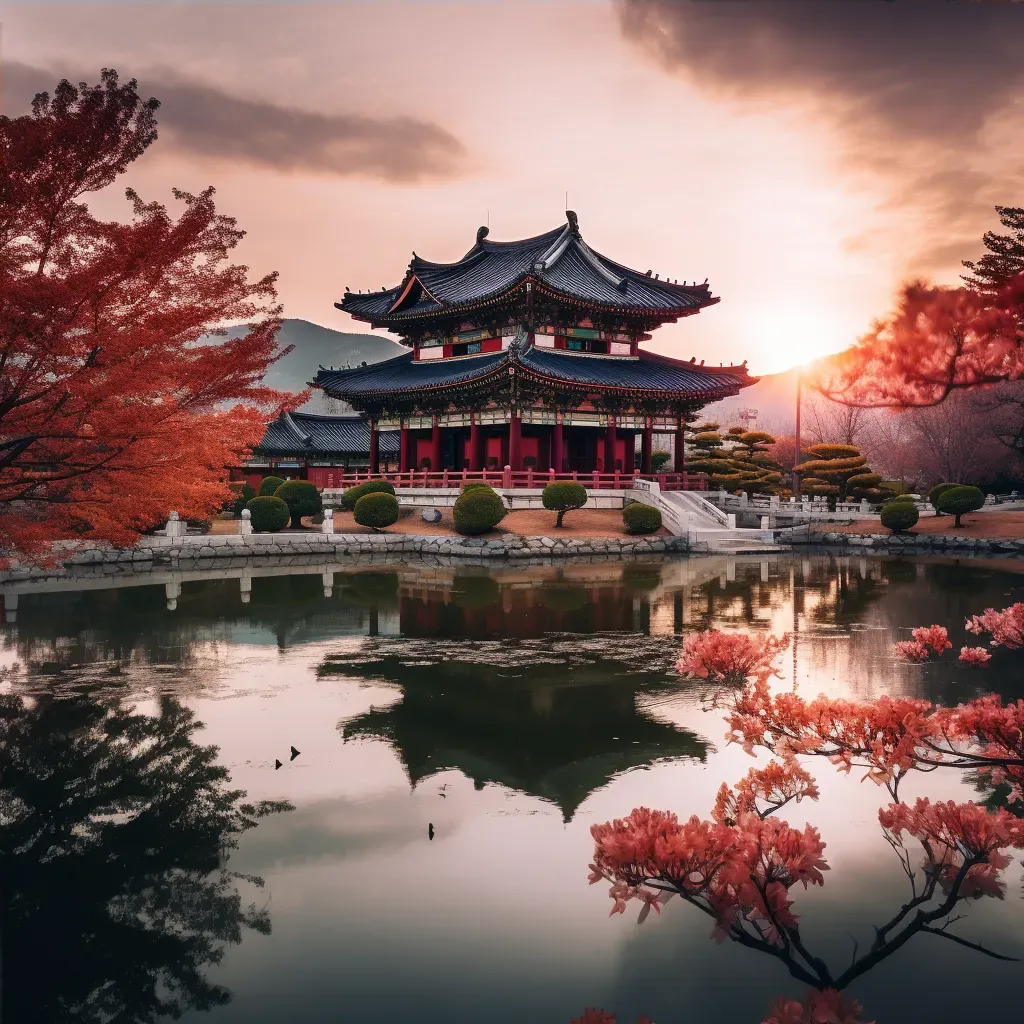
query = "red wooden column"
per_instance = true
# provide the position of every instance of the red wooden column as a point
(646, 447)
(403, 449)
(609, 446)
(515, 434)
(435, 446)
(680, 466)
(476, 446)
(557, 448)
(374, 448)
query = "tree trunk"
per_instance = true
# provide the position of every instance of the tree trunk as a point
(558, 521)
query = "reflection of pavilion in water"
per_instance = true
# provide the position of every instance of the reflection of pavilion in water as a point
(557, 719)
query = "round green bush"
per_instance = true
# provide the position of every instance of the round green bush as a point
(269, 485)
(478, 510)
(899, 516)
(475, 485)
(268, 514)
(659, 460)
(353, 494)
(936, 492)
(959, 500)
(563, 497)
(640, 518)
(377, 509)
(302, 499)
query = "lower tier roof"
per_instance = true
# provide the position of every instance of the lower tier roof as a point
(648, 372)
(308, 434)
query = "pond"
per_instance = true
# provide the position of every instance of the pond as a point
(424, 855)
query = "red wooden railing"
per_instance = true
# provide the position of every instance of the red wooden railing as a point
(529, 478)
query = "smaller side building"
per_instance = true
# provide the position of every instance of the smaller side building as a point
(316, 447)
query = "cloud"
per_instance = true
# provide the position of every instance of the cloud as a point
(200, 119)
(925, 94)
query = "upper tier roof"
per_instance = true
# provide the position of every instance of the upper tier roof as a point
(559, 261)
(648, 372)
(298, 433)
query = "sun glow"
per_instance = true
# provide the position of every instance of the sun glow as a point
(788, 338)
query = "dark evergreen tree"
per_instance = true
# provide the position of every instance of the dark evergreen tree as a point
(1005, 256)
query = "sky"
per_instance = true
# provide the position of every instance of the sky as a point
(805, 157)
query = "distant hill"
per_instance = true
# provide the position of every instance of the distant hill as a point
(317, 346)
(774, 398)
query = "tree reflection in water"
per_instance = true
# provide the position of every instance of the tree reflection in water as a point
(114, 830)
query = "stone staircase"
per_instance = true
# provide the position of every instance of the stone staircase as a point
(708, 528)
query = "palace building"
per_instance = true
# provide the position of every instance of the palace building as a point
(528, 354)
(525, 354)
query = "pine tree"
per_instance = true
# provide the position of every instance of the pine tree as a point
(838, 471)
(1005, 256)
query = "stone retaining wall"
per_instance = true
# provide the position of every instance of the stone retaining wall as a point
(209, 550)
(902, 543)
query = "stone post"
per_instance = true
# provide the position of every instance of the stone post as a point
(175, 527)
(172, 592)
(11, 608)
(327, 526)
(328, 581)
(245, 526)
(864, 506)
(245, 586)
(765, 523)
(731, 518)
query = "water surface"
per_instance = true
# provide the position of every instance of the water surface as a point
(425, 857)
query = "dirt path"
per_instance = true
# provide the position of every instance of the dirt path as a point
(993, 525)
(587, 522)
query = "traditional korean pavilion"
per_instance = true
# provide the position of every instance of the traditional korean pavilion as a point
(529, 354)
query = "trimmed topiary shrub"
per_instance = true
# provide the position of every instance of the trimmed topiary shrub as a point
(478, 510)
(268, 485)
(639, 518)
(899, 516)
(936, 492)
(659, 460)
(302, 499)
(353, 494)
(563, 497)
(959, 500)
(474, 485)
(268, 514)
(377, 509)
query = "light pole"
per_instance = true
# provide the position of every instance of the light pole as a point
(796, 447)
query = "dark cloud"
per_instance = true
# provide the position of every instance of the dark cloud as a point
(201, 119)
(919, 90)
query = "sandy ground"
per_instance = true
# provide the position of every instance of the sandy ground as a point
(994, 525)
(588, 522)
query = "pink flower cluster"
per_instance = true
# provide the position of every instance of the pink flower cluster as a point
(774, 785)
(1006, 626)
(886, 735)
(926, 639)
(828, 1007)
(730, 657)
(993, 731)
(954, 834)
(975, 656)
(740, 872)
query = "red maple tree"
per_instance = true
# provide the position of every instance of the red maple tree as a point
(121, 395)
(937, 340)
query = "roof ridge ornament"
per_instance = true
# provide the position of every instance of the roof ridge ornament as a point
(481, 233)
(573, 221)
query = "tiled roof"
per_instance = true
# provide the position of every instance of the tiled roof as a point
(558, 260)
(403, 373)
(648, 372)
(300, 433)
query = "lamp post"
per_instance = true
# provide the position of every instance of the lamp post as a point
(796, 447)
